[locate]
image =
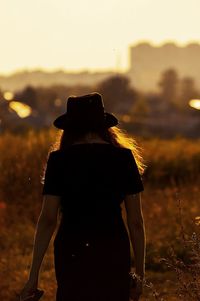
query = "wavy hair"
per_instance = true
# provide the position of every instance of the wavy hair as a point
(114, 135)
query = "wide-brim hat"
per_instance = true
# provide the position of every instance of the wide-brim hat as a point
(85, 111)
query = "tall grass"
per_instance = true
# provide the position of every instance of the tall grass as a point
(173, 173)
(22, 159)
(171, 162)
(186, 268)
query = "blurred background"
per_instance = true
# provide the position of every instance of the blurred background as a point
(144, 57)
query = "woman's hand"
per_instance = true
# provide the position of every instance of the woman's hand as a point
(29, 289)
(136, 291)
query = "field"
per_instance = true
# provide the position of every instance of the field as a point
(170, 204)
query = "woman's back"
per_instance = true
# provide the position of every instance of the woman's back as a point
(92, 180)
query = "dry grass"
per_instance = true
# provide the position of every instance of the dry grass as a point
(170, 208)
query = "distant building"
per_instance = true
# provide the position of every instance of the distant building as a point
(147, 62)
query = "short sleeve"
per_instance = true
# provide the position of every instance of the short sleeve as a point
(132, 179)
(52, 179)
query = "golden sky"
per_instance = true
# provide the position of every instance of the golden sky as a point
(89, 34)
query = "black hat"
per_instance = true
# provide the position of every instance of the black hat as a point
(85, 111)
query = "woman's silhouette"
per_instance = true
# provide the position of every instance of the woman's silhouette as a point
(93, 171)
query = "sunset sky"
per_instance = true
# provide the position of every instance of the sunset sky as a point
(89, 34)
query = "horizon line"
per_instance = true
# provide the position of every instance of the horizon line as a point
(96, 69)
(59, 69)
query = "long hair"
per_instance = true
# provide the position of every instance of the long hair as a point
(114, 135)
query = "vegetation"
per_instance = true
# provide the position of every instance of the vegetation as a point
(164, 113)
(170, 206)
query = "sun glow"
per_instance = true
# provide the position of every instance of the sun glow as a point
(21, 109)
(8, 95)
(195, 103)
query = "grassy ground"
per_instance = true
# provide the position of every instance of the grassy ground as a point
(161, 215)
(170, 204)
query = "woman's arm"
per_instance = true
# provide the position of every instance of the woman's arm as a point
(137, 230)
(44, 230)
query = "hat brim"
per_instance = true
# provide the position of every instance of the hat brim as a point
(63, 122)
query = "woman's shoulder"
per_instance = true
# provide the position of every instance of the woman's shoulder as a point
(97, 145)
(124, 150)
(54, 155)
(110, 148)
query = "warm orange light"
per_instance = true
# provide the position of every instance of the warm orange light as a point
(195, 103)
(58, 102)
(21, 109)
(197, 220)
(8, 95)
(126, 118)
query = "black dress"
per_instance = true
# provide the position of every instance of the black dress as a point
(91, 247)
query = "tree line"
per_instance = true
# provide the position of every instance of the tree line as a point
(119, 96)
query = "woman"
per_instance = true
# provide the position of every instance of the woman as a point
(95, 168)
